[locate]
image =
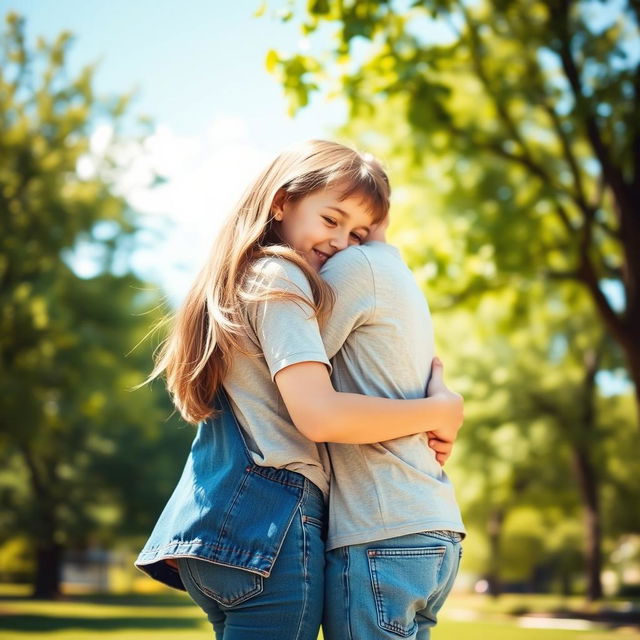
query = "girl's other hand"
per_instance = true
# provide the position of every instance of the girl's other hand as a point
(452, 401)
(442, 448)
(378, 232)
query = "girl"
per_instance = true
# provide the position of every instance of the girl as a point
(243, 532)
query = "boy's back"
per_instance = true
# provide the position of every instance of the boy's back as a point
(380, 340)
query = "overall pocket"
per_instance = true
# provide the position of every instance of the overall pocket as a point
(256, 519)
(226, 585)
(403, 580)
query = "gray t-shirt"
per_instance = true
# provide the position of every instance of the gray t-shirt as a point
(380, 341)
(278, 333)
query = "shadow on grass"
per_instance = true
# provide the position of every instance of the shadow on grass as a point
(20, 622)
(121, 600)
(169, 599)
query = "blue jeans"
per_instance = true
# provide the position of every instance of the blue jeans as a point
(243, 605)
(389, 588)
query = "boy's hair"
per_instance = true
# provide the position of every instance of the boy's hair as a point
(207, 327)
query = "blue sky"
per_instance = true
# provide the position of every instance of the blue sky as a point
(199, 67)
(192, 61)
(200, 73)
(199, 70)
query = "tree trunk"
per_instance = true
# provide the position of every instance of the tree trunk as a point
(494, 530)
(587, 479)
(630, 236)
(48, 553)
(633, 357)
(48, 570)
(588, 489)
(565, 582)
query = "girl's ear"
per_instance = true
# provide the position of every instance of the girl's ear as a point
(277, 209)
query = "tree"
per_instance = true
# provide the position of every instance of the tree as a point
(538, 432)
(520, 352)
(534, 101)
(71, 429)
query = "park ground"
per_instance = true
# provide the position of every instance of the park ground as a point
(172, 615)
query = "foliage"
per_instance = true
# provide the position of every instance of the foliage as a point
(528, 110)
(82, 458)
(509, 134)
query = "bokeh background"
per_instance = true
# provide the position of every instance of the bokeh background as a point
(511, 134)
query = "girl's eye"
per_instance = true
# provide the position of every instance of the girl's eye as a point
(330, 221)
(357, 238)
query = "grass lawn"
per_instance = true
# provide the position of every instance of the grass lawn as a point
(172, 615)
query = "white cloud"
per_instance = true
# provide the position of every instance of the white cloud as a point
(100, 138)
(204, 177)
(85, 167)
(304, 44)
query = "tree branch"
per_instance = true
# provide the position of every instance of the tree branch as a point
(608, 229)
(555, 274)
(634, 5)
(612, 173)
(525, 158)
(580, 196)
(636, 137)
(476, 44)
(529, 164)
(469, 293)
(588, 275)
(564, 216)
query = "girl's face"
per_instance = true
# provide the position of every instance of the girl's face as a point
(319, 225)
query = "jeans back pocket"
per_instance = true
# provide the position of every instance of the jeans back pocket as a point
(228, 586)
(403, 580)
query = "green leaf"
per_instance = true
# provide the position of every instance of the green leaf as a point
(271, 60)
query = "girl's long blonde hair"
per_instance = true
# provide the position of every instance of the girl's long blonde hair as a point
(206, 329)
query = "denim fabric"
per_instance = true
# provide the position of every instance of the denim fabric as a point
(390, 588)
(288, 604)
(225, 508)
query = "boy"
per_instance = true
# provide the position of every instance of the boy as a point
(393, 546)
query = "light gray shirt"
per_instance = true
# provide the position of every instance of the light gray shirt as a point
(278, 333)
(380, 341)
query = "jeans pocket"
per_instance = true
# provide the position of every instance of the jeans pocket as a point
(403, 580)
(228, 586)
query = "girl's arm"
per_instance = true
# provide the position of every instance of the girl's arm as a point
(323, 414)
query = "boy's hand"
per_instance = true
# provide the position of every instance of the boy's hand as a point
(452, 401)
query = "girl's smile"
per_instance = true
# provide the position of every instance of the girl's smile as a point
(321, 255)
(320, 224)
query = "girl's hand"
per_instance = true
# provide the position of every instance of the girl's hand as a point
(441, 447)
(453, 402)
(378, 232)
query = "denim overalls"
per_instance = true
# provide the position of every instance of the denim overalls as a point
(235, 516)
